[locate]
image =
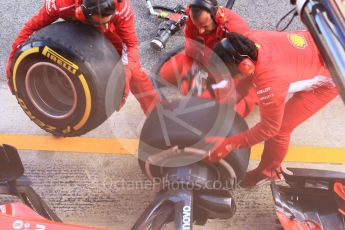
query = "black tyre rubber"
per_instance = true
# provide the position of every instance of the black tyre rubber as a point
(68, 78)
(36, 203)
(160, 83)
(158, 219)
(229, 4)
(210, 118)
(157, 81)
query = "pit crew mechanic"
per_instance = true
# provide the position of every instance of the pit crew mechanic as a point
(274, 61)
(206, 25)
(114, 18)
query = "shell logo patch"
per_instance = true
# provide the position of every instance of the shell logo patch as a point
(257, 45)
(297, 41)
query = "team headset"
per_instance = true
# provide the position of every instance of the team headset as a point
(245, 66)
(244, 63)
(84, 13)
(217, 12)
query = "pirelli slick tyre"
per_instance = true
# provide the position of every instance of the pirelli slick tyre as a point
(211, 119)
(158, 83)
(68, 78)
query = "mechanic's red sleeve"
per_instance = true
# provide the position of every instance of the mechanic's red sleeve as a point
(125, 27)
(47, 14)
(235, 22)
(271, 93)
(192, 45)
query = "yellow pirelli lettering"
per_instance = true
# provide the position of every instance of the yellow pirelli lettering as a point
(87, 110)
(18, 61)
(60, 60)
(50, 128)
(68, 129)
(34, 118)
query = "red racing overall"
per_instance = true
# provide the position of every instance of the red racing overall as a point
(284, 59)
(198, 47)
(120, 31)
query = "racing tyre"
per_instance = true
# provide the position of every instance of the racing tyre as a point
(210, 118)
(157, 81)
(68, 78)
(156, 220)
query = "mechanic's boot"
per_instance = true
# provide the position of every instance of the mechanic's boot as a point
(259, 177)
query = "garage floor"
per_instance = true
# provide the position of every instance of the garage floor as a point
(109, 190)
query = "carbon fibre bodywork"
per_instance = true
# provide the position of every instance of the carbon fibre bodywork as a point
(312, 199)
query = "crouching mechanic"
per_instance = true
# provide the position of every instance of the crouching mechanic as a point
(206, 25)
(114, 18)
(277, 62)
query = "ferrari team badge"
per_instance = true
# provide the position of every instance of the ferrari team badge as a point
(257, 45)
(297, 41)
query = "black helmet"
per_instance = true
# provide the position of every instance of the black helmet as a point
(102, 8)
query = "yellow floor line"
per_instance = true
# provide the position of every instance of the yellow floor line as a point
(71, 144)
(307, 154)
(130, 146)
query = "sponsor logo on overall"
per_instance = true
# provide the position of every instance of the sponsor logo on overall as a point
(265, 95)
(257, 45)
(50, 4)
(186, 217)
(297, 41)
(3, 209)
(262, 91)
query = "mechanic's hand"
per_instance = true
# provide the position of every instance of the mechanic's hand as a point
(222, 147)
(128, 76)
(224, 92)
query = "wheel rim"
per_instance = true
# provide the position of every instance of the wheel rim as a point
(51, 90)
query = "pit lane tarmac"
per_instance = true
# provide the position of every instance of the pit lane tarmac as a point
(95, 179)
